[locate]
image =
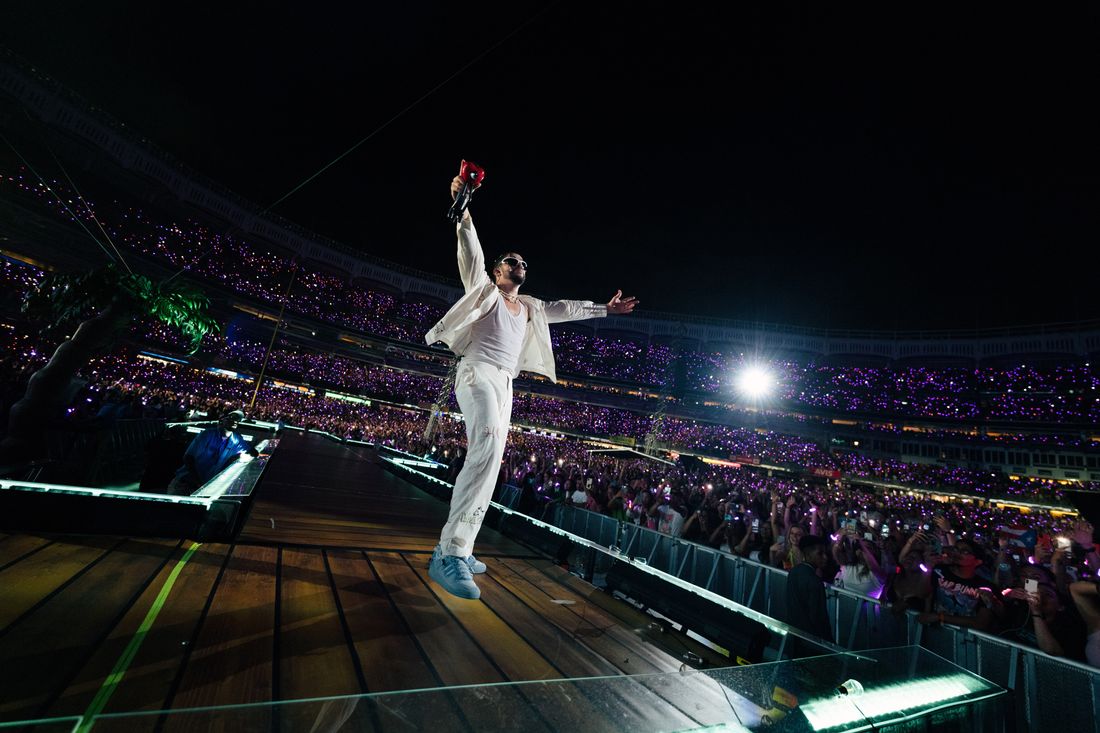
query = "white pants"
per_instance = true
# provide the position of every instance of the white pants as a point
(484, 394)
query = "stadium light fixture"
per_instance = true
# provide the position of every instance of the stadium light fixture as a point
(755, 382)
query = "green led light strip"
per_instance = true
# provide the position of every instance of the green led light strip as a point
(115, 677)
(6, 484)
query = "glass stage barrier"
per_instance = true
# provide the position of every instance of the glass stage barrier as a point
(212, 512)
(899, 689)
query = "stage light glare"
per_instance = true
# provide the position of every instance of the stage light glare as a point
(755, 382)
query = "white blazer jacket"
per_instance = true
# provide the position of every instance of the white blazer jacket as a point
(454, 329)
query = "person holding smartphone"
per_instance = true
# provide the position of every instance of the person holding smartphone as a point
(911, 587)
(962, 597)
(1040, 616)
(860, 566)
(753, 542)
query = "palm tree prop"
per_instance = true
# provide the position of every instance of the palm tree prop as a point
(101, 304)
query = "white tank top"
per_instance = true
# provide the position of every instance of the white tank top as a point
(498, 336)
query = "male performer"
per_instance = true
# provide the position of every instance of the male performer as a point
(497, 333)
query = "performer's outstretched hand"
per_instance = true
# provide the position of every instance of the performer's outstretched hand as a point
(620, 306)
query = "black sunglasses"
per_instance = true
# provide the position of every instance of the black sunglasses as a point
(513, 262)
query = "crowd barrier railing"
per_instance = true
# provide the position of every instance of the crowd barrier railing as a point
(1047, 692)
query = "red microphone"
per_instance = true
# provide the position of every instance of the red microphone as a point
(472, 175)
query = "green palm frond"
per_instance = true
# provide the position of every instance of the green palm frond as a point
(184, 307)
(64, 300)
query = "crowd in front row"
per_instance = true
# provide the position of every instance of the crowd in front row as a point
(1031, 578)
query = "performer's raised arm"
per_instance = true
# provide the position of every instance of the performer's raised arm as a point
(471, 258)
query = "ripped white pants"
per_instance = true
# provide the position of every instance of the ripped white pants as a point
(484, 394)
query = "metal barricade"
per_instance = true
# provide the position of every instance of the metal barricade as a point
(1046, 693)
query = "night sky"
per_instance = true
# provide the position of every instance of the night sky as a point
(822, 165)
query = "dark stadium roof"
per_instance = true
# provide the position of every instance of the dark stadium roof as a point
(840, 167)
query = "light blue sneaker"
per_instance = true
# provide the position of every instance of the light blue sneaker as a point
(453, 573)
(476, 566)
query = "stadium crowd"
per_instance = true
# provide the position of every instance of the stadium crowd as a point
(1026, 575)
(319, 379)
(1030, 577)
(1060, 393)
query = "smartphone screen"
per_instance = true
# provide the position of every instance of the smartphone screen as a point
(755, 524)
(1031, 586)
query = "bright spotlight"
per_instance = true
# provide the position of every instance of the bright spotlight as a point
(755, 382)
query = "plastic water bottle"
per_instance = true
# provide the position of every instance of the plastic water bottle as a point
(851, 687)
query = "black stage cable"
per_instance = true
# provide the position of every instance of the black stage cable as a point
(79, 195)
(60, 200)
(420, 99)
(88, 207)
(392, 119)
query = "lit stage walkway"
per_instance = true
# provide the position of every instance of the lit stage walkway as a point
(325, 593)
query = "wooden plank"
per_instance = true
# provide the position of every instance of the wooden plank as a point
(17, 546)
(633, 656)
(577, 705)
(558, 704)
(326, 494)
(148, 680)
(27, 582)
(672, 642)
(299, 531)
(515, 657)
(388, 656)
(706, 705)
(606, 642)
(709, 703)
(455, 657)
(232, 660)
(341, 714)
(314, 657)
(46, 649)
(533, 620)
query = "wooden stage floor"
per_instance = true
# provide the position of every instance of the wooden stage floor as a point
(325, 592)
